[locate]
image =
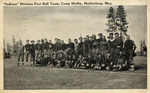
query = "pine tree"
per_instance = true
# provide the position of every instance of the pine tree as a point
(111, 21)
(121, 21)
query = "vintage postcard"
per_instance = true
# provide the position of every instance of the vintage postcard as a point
(74, 46)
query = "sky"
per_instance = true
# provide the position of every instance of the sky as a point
(35, 23)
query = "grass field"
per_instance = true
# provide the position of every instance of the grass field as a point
(24, 78)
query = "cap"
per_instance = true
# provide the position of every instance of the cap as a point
(93, 35)
(116, 33)
(42, 40)
(45, 38)
(100, 34)
(32, 41)
(75, 39)
(38, 40)
(108, 37)
(87, 36)
(110, 33)
(80, 37)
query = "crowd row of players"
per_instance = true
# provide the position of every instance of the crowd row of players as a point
(98, 53)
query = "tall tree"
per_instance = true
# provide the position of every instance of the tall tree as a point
(111, 21)
(121, 21)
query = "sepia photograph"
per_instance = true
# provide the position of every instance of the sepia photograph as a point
(75, 47)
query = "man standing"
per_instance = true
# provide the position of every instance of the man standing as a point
(20, 51)
(104, 47)
(42, 48)
(80, 46)
(100, 37)
(129, 48)
(63, 46)
(27, 51)
(46, 44)
(76, 46)
(111, 45)
(37, 50)
(56, 45)
(50, 50)
(59, 44)
(88, 45)
(70, 44)
(111, 50)
(119, 46)
(32, 50)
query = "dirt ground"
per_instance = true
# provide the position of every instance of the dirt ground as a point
(24, 78)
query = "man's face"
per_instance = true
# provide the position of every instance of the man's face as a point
(56, 40)
(20, 42)
(75, 40)
(62, 42)
(87, 38)
(103, 37)
(50, 41)
(94, 37)
(128, 37)
(32, 42)
(90, 39)
(99, 55)
(45, 41)
(80, 39)
(89, 56)
(108, 55)
(117, 35)
(27, 42)
(84, 40)
(38, 42)
(69, 40)
(61, 55)
(100, 36)
(111, 36)
(80, 56)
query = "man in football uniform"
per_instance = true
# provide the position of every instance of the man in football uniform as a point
(37, 50)
(27, 51)
(42, 48)
(70, 44)
(46, 45)
(20, 51)
(118, 47)
(129, 48)
(76, 46)
(32, 50)
(80, 46)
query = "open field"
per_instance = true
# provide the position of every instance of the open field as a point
(24, 78)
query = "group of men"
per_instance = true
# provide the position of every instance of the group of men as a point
(111, 54)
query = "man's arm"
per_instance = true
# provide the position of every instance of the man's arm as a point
(134, 46)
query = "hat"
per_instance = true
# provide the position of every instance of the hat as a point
(87, 36)
(108, 37)
(27, 40)
(20, 41)
(110, 33)
(42, 40)
(116, 33)
(80, 37)
(100, 34)
(75, 39)
(93, 35)
(32, 41)
(38, 40)
(45, 38)
(90, 37)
